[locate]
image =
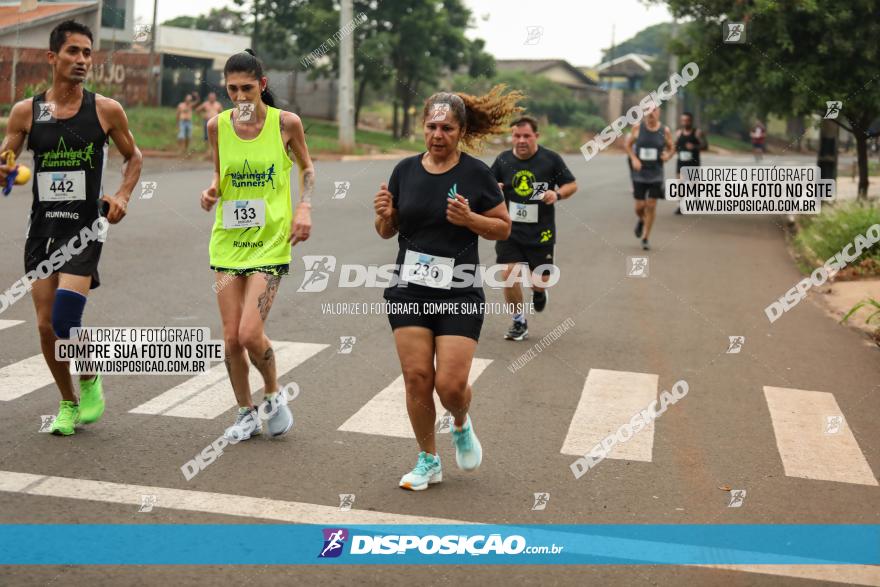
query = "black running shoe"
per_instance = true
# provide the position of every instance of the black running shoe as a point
(539, 299)
(639, 226)
(519, 331)
(645, 246)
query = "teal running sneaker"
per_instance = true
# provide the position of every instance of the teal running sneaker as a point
(91, 400)
(427, 472)
(65, 421)
(468, 451)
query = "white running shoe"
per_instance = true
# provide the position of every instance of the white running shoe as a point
(279, 418)
(247, 424)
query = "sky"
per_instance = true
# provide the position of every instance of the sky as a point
(575, 30)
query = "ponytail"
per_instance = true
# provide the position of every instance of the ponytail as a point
(480, 116)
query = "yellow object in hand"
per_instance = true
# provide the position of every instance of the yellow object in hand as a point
(24, 174)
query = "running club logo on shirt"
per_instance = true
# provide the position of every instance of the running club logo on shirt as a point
(62, 156)
(334, 540)
(523, 182)
(252, 178)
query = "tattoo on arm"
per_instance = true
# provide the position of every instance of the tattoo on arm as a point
(264, 302)
(308, 180)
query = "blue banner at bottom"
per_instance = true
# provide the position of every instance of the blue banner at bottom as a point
(270, 544)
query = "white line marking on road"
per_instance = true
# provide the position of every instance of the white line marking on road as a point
(799, 421)
(209, 394)
(307, 513)
(202, 501)
(23, 377)
(608, 401)
(4, 324)
(385, 414)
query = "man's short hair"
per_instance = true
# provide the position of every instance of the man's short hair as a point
(59, 34)
(526, 120)
(688, 114)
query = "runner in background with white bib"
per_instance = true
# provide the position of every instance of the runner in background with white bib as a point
(66, 128)
(648, 146)
(254, 228)
(689, 141)
(439, 203)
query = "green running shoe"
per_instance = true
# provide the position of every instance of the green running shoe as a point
(91, 400)
(65, 421)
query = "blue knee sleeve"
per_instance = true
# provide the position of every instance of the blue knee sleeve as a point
(67, 312)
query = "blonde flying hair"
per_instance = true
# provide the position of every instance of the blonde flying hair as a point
(479, 116)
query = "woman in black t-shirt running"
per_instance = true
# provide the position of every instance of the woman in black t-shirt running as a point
(438, 203)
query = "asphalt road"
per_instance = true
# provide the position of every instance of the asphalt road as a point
(709, 278)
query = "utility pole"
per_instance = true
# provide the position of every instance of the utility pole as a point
(675, 103)
(155, 71)
(345, 96)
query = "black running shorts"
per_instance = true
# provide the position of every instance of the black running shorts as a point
(38, 249)
(535, 255)
(460, 315)
(642, 191)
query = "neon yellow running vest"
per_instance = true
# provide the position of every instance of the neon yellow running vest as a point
(256, 169)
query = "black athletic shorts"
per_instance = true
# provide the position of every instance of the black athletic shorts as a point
(38, 249)
(460, 315)
(647, 190)
(535, 255)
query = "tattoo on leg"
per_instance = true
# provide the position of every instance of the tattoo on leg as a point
(264, 302)
(267, 359)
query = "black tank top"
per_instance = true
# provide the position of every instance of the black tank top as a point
(648, 147)
(69, 158)
(681, 147)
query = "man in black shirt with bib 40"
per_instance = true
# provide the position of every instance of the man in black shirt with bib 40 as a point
(533, 179)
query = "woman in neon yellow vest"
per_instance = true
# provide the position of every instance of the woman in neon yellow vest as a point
(254, 229)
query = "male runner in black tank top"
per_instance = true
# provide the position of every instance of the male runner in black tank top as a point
(689, 141)
(67, 128)
(648, 146)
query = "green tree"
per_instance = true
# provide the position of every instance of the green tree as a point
(218, 20)
(408, 44)
(650, 41)
(796, 57)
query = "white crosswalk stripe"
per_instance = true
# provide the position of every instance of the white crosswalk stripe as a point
(813, 439)
(609, 400)
(24, 377)
(4, 324)
(385, 414)
(209, 394)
